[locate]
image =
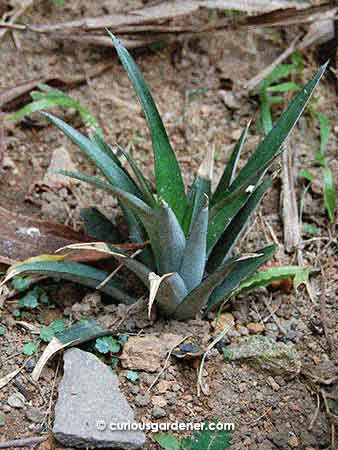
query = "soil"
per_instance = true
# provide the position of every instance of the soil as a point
(269, 411)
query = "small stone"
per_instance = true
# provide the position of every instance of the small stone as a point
(163, 386)
(60, 160)
(229, 99)
(293, 442)
(6, 409)
(147, 352)
(158, 412)
(236, 134)
(171, 398)
(142, 400)
(222, 321)
(243, 331)
(34, 415)
(275, 386)
(280, 438)
(89, 400)
(16, 400)
(176, 387)
(158, 400)
(134, 389)
(255, 327)
(264, 353)
(30, 364)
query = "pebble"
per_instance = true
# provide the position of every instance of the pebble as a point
(275, 386)
(243, 330)
(34, 415)
(142, 400)
(163, 386)
(16, 400)
(171, 398)
(176, 387)
(134, 389)
(293, 442)
(255, 327)
(6, 409)
(158, 400)
(158, 412)
(30, 364)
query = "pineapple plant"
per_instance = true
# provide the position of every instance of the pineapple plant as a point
(189, 265)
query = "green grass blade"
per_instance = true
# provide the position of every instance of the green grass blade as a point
(241, 271)
(50, 98)
(229, 238)
(72, 271)
(194, 259)
(288, 86)
(112, 171)
(168, 176)
(330, 194)
(270, 147)
(230, 169)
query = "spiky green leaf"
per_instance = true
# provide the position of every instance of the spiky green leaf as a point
(168, 176)
(72, 271)
(270, 147)
(194, 259)
(230, 169)
(235, 229)
(112, 171)
(199, 297)
(171, 240)
(200, 189)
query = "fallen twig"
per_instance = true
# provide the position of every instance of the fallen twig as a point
(323, 317)
(24, 442)
(15, 16)
(2, 141)
(292, 235)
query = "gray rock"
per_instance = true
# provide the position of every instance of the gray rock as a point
(158, 412)
(16, 400)
(142, 400)
(263, 352)
(89, 402)
(280, 438)
(34, 415)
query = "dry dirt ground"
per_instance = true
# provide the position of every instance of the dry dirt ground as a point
(269, 411)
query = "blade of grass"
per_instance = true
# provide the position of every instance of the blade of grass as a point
(230, 169)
